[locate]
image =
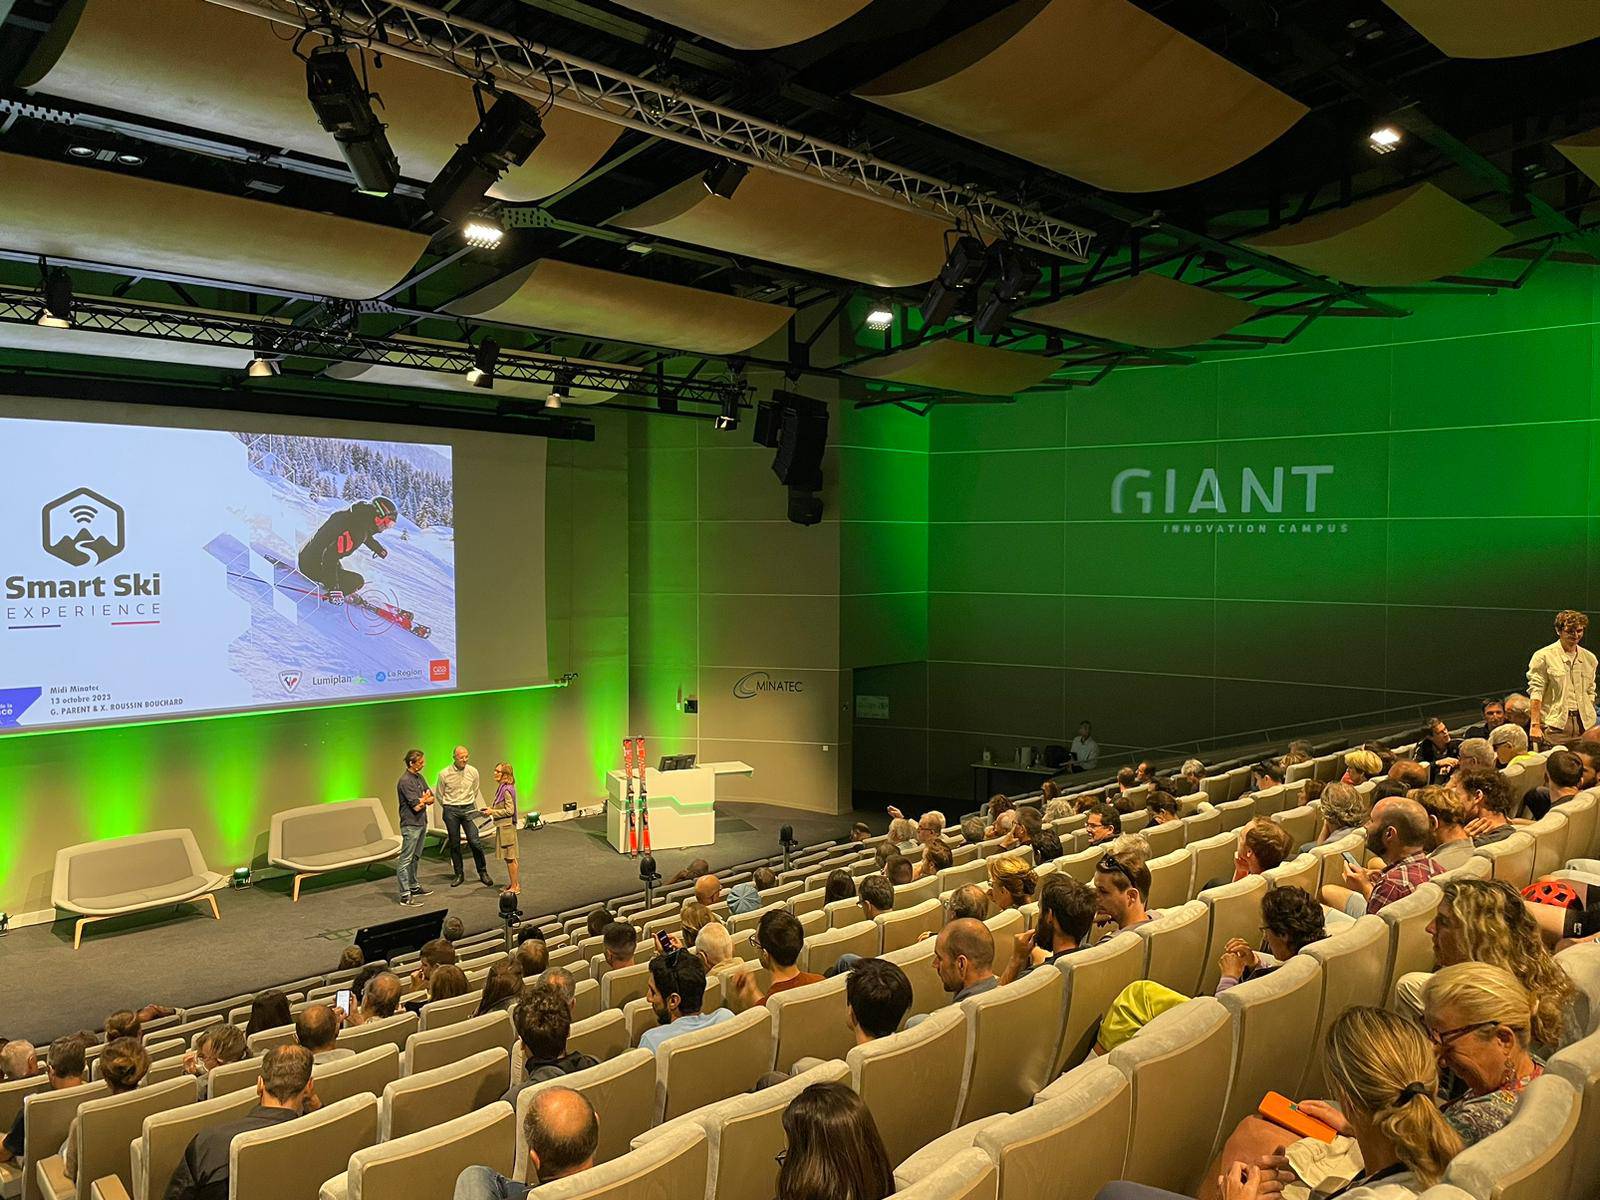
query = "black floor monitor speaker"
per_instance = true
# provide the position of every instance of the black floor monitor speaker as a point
(407, 933)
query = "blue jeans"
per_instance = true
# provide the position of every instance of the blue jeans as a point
(455, 820)
(480, 1183)
(410, 851)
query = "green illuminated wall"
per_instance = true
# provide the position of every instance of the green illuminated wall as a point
(1464, 497)
(224, 777)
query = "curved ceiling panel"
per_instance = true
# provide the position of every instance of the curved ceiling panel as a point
(155, 348)
(1500, 28)
(1097, 89)
(64, 211)
(198, 65)
(1403, 237)
(747, 26)
(1144, 310)
(783, 219)
(383, 375)
(605, 304)
(960, 367)
(1583, 151)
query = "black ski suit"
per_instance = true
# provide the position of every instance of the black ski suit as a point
(339, 536)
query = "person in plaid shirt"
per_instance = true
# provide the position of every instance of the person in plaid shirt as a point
(1397, 832)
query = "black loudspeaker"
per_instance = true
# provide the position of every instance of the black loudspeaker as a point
(802, 436)
(768, 424)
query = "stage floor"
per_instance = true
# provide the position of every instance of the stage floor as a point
(190, 959)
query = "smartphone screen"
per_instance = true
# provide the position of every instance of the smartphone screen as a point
(1351, 859)
(342, 999)
(664, 941)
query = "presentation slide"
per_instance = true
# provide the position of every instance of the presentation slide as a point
(156, 572)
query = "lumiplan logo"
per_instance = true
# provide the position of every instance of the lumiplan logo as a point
(83, 528)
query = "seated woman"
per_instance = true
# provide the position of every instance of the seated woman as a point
(1012, 882)
(1291, 919)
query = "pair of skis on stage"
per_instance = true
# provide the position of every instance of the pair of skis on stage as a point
(633, 759)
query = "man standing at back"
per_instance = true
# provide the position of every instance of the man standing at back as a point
(460, 794)
(1561, 679)
(284, 1090)
(414, 797)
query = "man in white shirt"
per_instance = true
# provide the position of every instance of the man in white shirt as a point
(1084, 752)
(1561, 681)
(460, 796)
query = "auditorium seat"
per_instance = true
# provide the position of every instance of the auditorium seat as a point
(113, 877)
(672, 1167)
(911, 1080)
(158, 1148)
(263, 1040)
(809, 901)
(1582, 965)
(927, 993)
(1354, 964)
(810, 1022)
(426, 1098)
(1273, 1016)
(1302, 822)
(901, 927)
(623, 1089)
(1091, 979)
(1531, 1157)
(1475, 867)
(232, 1077)
(1511, 859)
(744, 1135)
(1164, 839)
(1235, 913)
(1179, 1068)
(1080, 864)
(954, 877)
(106, 1126)
(1330, 855)
(1012, 1034)
(638, 1016)
(1175, 946)
(241, 1013)
(1580, 812)
(1303, 872)
(1549, 835)
(908, 895)
(1206, 822)
(292, 1161)
(395, 1030)
(428, 1163)
(1170, 876)
(1410, 943)
(813, 922)
(1236, 814)
(49, 1115)
(712, 1063)
(317, 838)
(970, 1175)
(1579, 1065)
(825, 949)
(1213, 859)
(1004, 928)
(752, 918)
(620, 986)
(1135, 821)
(370, 1071)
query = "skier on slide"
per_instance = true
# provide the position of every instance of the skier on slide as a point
(358, 525)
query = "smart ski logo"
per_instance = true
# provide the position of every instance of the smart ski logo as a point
(83, 528)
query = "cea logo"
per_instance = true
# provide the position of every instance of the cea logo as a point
(82, 528)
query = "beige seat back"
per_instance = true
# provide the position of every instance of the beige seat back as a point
(1079, 864)
(1271, 1017)
(1202, 824)
(968, 1175)
(233, 1077)
(1579, 1065)
(752, 918)
(906, 925)
(1185, 1052)
(428, 1098)
(810, 901)
(1236, 814)
(602, 1036)
(424, 1051)
(927, 992)
(738, 966)
(438, 1013)
(1354, 965)
(1582, 965)
(825, 949)
(911, 1081)
(1303, 872)
(265, 1039)
(13, 1093)
(1011, 1045)
(810, 1022)
(1170, 877)
(370, 1071)
(668, 1168)
(1004, 928)
(1330, 855)
(1164, 839)
(1302, 822)
(428, 1163)
(166, 1135)
(908, 895)
(1091, 979)
(744, 1134)
(624, 984)
(1235, 913)
(1583, 816)
(1272, 800)
(712, 1063)
(1084, 1122)
(1549, 843)
(1511, 859)
(624, 1089)
(1531, 1157)
(1213, 859)
(841, 913)
(1175, 946)
(292, 1160)
(48, 1115)
(1410, 943)
(952, 878)
(392, 1031)
(107, 1124)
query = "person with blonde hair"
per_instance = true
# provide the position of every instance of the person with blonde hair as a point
(1561, 681)
(901, 831)
(504, 813)
(1479, 1018)
(1509, 743)
(1449, 813)
(714, 944)
(1360, 766)
(1012, 882)
(1057, 807)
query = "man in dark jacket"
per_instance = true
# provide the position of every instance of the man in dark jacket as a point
(321, 558)
(284, 1091)
(543, 1021)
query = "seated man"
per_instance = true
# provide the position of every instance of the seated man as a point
(621, 943)
(1486, 791)
(1397, 832)
(1449, 811)
(1046, 846)
(1103, 823)
(708, 890)
(598, 920)
(936, 857)
(714, 945)
(565, 986)
(452, 931)
(778, 939)
(1263, 844)
(1268, 773)
(317, 1029)
(380, 999)
(963, 958)
(1563, 773)
(18, 1060)
(543, 1021)
(533, 956)
(1066, 913)
(690, 873)
(1509, 742)
(676, 991)
(860, 832)
(969, 900)
(562, 1132)
(284, 1090)
(875, 894)
(1163, 808)
(877, 996)
(1121, 891)
(64, 1067)
(436, 953)
(899, 870)
(972, 830)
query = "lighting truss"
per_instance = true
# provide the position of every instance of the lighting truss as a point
(423, 34)
(99, 314)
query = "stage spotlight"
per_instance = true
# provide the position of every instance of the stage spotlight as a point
(961, 273)
(724, 178)
(481, 372)
(1384, 139)
(241, 877)
(344, 108)
(1013, 275)
(560, 390)
(728, 418)
(483, 232)
(265, 363)
(880, 316)
(57, 310)
(504, 138)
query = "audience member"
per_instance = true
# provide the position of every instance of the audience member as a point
(269, 1010)
(778, 941)
(899, 870)
(1058, 807)
(1448, 811)
(126, 1024)
(317, 1029)
(764, 878)
(1406, 774)
(744, 897)
(972, 830)
(1084, 752)
(1180, 785)
(436, 953)
(1509, 743)
(1389, 787)
(860, 832)
(1263, 844)
(620, 941)
(1103, 823)
(358, 985)
(936, 857)
(123, 1065)
(1494, 714)
(1479, 1016)
(1028, 824)
(1517, 709)
(708, 890)
(998, 803)
(1163, 808)
(692, 919)
(1066, 914)
(217, 1046)
(1144, 774)
(380, 999)
(1193, 770)
(599, 920)
(64, 1068)
(902, 832)
(1563, 772)
(1291, 919)
(1476, 752)
(877, 996)
(1343, 809)
(1561, 682)
(562, 982)
(969, 900)
(1127, 780)
(676, 991)
(453, 930)
(1360, 766)
(533, 956)
(963, 958)
(834, 1151)
(284, 1090)
(543, 1019)
(1046, 846)
(1268, 773)
(1122, 890)
(841, 885)
(1436, 747)
(1490, 797)
(501, 988)
(445, 982)
(714, 945)
(689, 874)
(18, 1060)
(350, 958)
(1397, 832)
(562, 1131)
(1011, 882)
(876, 895)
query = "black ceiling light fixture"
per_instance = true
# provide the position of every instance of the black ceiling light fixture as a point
(728, 418)
(343, 105)
(484, 359)
(56, 285)
(1010, 275)
(505, 136)
(264, 364)
(958, 278)
(561, 389)
(723, 178)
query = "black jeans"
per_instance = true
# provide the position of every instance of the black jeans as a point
(455, 820)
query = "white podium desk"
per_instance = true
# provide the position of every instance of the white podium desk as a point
(682, 806)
